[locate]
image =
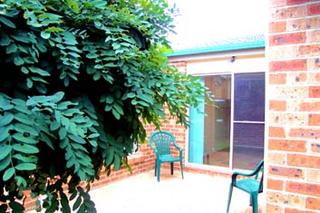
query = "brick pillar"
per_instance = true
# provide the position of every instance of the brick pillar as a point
(293, 117)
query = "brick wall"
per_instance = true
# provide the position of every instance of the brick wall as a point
(293, 141)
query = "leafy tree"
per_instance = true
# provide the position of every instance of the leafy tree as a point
(79, 80)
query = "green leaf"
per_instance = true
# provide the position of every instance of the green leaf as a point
(116, 114)
(23, 37)
(39, 71)
(26, 159)
(77, 139)
(7, 22)
(22, 128)
(5, 151)
(6, 119)
(118, 108)
(54, 125)
(4, 133)
(73, 4)
(46, 139)
(57, 97)
(8, 174)
(77, 203)
(4, 40)
(12, 48)
(29, 140)
(69, 38)
(73, 195)
(24, 70)
(93, 143)
(18, 61)
(5, 163)
(64, 203)
(109, 156)
(25, 148)
(20, 181)
(94, 135)
(62, 133)
(26, 167)
(23, 118)
(117, 162)
(16, 207)
(45, 34)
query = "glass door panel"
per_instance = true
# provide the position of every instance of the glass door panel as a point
(209, 134)
(248, 124)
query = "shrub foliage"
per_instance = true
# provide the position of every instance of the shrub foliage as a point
(79, 80)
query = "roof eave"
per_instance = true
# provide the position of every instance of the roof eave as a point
(219, 48)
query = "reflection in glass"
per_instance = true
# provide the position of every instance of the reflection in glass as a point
(209, 134)
(248, 145)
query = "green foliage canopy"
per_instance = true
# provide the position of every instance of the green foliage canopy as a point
(79, 80)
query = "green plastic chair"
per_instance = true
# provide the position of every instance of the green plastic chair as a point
(161, 143)
(253, 185)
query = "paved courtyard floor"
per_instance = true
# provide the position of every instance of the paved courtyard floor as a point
(196, 193)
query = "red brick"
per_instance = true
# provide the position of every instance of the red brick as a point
(285, 172)
(277, 105)
(287, 145)
(273, 209)
(292, 2)
(309, 50)
(303, 188)
(290, 65)
(313, 23)
(291, 38)
(314, 92)
(289, 210)
(313, 36)
(310, 106)
(277, 3)
(277, 132)
(303, 161)
(315, 148)
(314, 119)
(279, 78)
(296, 25)
(277, 27)
(300, 77)
(305, 133)
(314, 9)
(275, 184)
(313, 203)
(289, 12)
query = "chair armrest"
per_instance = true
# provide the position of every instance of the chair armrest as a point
(178, 148)
(241, 173)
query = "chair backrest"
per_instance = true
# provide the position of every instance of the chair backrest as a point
(162, 141)
(258, 171)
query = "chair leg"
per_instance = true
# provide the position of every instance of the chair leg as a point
(254, 200)
(158, 171)
(229, 197)
(181, 168)
(171, 165)
(155, 167)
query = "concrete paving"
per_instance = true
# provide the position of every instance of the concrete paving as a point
(196, 193)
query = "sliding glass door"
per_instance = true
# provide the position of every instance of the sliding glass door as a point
(237, 113)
